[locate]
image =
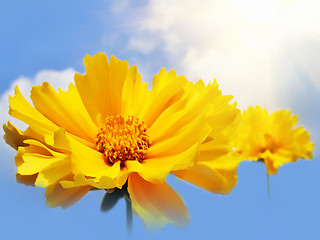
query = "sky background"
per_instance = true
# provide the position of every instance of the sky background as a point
(262, 52)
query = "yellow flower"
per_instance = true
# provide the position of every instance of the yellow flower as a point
(272, 138)
(108, 131)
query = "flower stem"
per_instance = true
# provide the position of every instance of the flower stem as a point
(129, 215)
(268, 185)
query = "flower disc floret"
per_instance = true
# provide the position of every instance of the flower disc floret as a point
(123, 140)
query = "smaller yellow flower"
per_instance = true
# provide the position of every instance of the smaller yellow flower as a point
(271, 138)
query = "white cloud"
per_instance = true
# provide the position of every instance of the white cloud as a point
(142, 45)
(264, 52)
(251, 47)
(119, 6)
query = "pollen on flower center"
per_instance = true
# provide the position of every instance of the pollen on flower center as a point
(123, 139)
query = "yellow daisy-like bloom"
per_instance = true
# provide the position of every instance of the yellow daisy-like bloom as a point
(108, 131)
(272, 138)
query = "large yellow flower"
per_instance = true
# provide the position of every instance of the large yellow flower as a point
(272, 138)
(108, 131)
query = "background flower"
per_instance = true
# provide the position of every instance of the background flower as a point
(272, 138)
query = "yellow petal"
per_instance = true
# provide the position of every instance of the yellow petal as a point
(191, 134)
(156, 204)
(155, 170)
(167, 90)
(28, 180)
(58, 196)
(258, 118)
(282, 123)
(134, 94)
(210, 179)
(303, 145)
(80, 180)
(13, 136)
(21, 109)
(171, 121)
(90, 162)
(213, 149)
(102, 86)
(274, 160)
(53, 173)
(198, 99)
(215, 175)
(34, 163)
(58, 141)
(225, 117)
(64, 109)
(38, 147)
(36, 158)
(269, 163)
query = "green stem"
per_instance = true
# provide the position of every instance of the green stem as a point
(268, 184)
(129, 215)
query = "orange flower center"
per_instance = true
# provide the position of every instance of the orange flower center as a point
(270, 143)
(123, 140)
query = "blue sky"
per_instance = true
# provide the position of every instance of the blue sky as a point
(257, 50)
